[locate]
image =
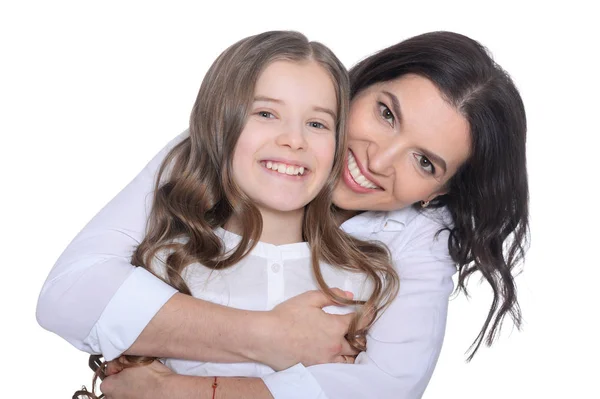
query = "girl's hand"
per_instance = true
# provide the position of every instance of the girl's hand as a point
(137, 382)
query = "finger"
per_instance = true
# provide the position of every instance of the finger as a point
(348, 350)
(113, 368)
(319, 299)
(341, 293)
(326, 300)
(345, 359)
(106, 386)
(339, 359)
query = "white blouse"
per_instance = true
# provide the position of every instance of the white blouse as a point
(402, 346)
(267, 276)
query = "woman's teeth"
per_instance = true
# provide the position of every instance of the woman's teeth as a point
(284, 169)
(356, 175)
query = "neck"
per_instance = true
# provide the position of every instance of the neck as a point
(279, 228)
(342, 215)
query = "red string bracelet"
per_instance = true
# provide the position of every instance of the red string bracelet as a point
(214, 387)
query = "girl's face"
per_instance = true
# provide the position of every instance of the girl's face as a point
(405, 142)
(284, 155)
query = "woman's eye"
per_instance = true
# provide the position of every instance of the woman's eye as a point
(265, 114)
(425, 164)
(317, 125)
(386, 113)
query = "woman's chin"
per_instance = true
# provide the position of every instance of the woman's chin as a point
(344, 198)
(347, 199)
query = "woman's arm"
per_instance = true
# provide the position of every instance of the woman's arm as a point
(95, 299)
(402, 347)
(93, 290)
(404, 344)
(155, 381)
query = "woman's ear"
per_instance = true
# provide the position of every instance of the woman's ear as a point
(442, 191)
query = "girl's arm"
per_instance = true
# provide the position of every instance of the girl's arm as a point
(95, 299)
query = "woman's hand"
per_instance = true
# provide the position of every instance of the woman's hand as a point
(137, 382)
(299, 331)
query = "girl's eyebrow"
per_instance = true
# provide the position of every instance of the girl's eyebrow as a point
(268, 99)
(327, 111)
(278, 101)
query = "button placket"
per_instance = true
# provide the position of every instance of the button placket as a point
(275, 275)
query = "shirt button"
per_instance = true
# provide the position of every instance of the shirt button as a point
(275, 267)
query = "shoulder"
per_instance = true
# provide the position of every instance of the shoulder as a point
(400, 226)
(413, 236)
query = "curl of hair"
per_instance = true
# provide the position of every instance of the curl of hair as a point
(488, 197)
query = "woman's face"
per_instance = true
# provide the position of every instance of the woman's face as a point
(405, 142)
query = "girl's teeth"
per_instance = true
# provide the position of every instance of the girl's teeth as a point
(285, 169)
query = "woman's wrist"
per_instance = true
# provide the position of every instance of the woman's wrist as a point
(261, 332)
(187, 387)
(191, 387)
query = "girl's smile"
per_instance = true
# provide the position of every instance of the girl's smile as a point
(285, 152)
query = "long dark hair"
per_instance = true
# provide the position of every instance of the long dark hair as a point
(488, 197)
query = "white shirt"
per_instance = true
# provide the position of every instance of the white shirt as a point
(267, 276)
(402, 347)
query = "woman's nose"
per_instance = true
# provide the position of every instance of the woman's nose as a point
(381, 158)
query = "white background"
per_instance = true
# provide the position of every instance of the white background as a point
(89, 91)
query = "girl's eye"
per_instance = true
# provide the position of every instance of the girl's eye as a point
(386, 113)
(317, 125)
(425, 164)
(265, 114)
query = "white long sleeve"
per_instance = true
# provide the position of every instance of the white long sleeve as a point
(93, 297)
(404, 344)
(120, 300)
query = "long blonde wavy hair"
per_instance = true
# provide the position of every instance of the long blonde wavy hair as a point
(196, 193)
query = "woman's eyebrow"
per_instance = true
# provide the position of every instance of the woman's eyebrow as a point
(395, 104)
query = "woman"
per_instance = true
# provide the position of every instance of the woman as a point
(434, 123)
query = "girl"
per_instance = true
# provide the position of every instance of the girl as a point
(234, 218)
(433, 122)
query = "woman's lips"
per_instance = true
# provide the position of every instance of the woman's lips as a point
(354, 177)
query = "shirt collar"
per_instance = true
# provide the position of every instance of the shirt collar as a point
(375, 222)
